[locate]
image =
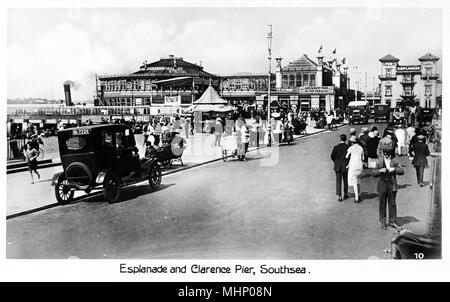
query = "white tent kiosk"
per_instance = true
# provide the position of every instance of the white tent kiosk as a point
(210, 101)
(209, 105)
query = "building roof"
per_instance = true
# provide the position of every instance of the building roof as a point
(389, 58)
(172, 65)
(428, 57)
(244, 75)
(302, 63)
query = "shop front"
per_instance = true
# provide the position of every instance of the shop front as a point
(316, 97)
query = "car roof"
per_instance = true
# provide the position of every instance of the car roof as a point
(103, 126)
(358, 103)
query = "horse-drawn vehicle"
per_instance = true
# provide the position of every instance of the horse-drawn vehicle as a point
(101, 157)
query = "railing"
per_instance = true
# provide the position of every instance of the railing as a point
(139, 93)
(72, 110)
(239, 92)
(15, 147)
(429, 76)
(434, 212)
(387, 77)
(408, 82)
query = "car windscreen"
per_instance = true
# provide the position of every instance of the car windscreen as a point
(76, 142)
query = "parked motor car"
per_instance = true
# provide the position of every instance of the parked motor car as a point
(381, 112)
(426, 115)
(358, 112)
(101, 157)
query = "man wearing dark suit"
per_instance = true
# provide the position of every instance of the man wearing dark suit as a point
(340, 166)
(420, 151)
(386, 169)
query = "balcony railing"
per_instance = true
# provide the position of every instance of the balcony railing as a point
(143, 93)
(408, 82)
(407, 95)
(387, 77)
(239, 92)
(72, 110)
(432, 76)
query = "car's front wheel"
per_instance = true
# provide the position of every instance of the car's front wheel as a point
(111, 187)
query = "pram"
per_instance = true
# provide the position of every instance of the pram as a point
(229, 146)
(170, 152)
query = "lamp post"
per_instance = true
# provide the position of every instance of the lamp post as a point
(269, 46)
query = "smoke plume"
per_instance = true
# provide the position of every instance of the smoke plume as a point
(72, 84)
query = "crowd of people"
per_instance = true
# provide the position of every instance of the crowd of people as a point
(367, 151)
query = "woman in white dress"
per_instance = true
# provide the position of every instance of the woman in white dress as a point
(308, 118)
(400, 133)
(355, 165)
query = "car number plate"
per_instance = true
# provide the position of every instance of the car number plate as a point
(80, 131)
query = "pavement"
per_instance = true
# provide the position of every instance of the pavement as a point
(24, 197)
(280, 204)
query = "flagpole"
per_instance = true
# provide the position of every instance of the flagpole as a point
(365, 88)
(269, 127)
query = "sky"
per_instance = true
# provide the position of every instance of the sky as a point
(48, 46)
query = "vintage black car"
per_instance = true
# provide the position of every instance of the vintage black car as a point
(101, 157)
(425, 116)
(358, 112)
(381, 112)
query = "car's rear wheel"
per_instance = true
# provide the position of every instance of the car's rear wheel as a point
(111, 187)
(155, 176)
(63, 192)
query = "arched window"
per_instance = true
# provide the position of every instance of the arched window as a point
(291, 81)
(388, 90)
(305, 80)
(312, 79)
(285, 81)
(298, 80)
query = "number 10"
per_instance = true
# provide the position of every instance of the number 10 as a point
(419, 255)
